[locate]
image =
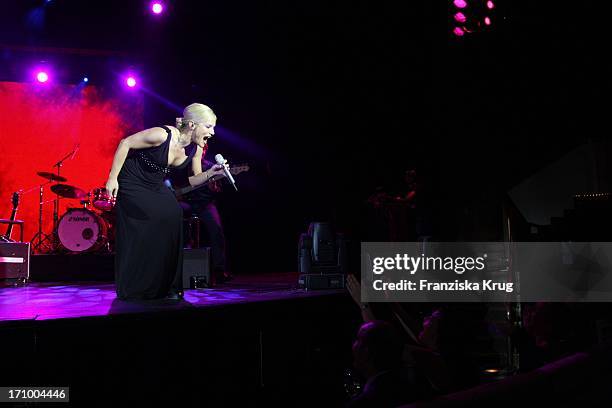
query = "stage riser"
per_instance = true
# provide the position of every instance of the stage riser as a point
(101, 268)
(264, 351)
(72, 268)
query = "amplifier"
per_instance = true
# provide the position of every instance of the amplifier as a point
(14, 263)
(197, 267)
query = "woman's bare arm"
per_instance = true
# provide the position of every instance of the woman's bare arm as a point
(196, 163)
(141, 140)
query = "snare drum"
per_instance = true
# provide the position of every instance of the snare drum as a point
(102, 200)
(81, 230)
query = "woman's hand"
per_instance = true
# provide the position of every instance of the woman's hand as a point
(112, 187)
(214, 173)
(217, 171)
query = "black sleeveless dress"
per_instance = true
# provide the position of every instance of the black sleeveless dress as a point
(149, 231)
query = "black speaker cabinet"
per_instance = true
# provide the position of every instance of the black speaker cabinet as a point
(197, 268)
(14, 263)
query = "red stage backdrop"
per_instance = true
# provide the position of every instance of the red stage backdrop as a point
(40, 124)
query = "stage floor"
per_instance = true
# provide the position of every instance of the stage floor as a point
(73, 300)
(258, 334)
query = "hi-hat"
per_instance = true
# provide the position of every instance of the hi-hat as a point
(67, 191)
(51, 176)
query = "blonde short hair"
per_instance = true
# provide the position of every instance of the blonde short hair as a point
(196, 112)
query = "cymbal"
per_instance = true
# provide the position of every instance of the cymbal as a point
(51, 176)
(67, 191)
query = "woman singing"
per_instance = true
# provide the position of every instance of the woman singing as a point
(149, 237)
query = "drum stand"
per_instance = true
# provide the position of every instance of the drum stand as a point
(56, 202)
(40, 236)
(51, 239)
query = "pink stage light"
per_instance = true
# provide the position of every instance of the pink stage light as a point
(460, 17)
(458, 31)
(490, 5)
(42, 77)
(157, 7)
(487, 21)
(460, 3)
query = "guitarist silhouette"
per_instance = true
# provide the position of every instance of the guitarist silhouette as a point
(200, 202)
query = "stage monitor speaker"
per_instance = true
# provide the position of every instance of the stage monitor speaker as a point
(197, 268)
(14, 263)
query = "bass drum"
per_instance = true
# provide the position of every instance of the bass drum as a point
(81, 230)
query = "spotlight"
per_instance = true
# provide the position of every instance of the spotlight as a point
(458, 31)
(473, 16)
(42, 77)
(322, 258)
(130, 82)
(157, 7)
(85, 79)
(460, 17)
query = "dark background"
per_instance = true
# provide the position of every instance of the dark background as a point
(339, 98)
(480, 113)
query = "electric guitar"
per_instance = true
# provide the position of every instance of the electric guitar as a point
(9, 229)
(234, 170)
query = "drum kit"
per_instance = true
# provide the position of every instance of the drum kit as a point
(87, 227)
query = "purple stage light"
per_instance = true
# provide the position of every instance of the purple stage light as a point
(130, 81)
(157, 7)
(42, 77)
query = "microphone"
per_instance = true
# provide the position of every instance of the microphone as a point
(220, 160)
(74, 152)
